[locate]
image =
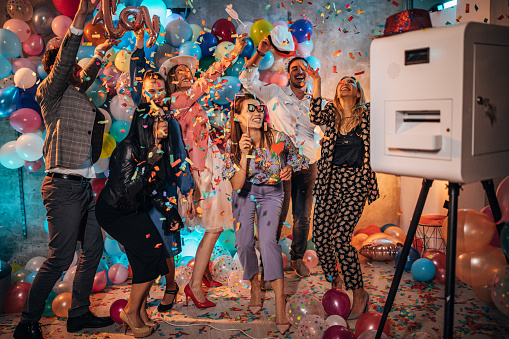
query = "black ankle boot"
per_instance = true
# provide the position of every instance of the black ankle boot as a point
(28, 330)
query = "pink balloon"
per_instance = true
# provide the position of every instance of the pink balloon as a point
(265, 76)
(440, 275)
(110, 75)
(503, 199)
(118, 273)
(18, 27)
(280, 23)
(337, 332)
(22, 63)
(100, 281)
(279, 79)
(33, 166)
(53, 43)
(115, 309)
(60, 25)
(25, 120)
(336, 301)
(310, 258)
(33, 45)
(302, 51)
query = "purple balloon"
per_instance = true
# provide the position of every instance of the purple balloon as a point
(337, 332)
(336, 301)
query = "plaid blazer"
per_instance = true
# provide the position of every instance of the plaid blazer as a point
(71, 119)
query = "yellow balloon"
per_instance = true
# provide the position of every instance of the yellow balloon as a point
(61, 304)
(478, 268)
(475, 231)
(109, 145)
(110, 56)
(122, 60)
(260, 30)
(222, 49)
(15, 267)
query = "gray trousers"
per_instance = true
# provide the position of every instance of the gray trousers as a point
(70, 212)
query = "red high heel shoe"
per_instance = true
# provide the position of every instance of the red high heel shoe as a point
(210, 283)
(189, 294)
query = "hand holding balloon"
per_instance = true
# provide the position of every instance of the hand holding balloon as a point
(240, 43)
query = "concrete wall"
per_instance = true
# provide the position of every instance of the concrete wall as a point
(328, 37)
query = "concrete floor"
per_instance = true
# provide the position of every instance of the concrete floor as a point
(418, 307)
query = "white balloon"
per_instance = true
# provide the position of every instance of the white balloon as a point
(63, 287)
(224, 48)
(335, 319)
(245, 27)
(107, 118)
(101, 165)
(83, 62)
(29, 146)
(69, 275)
(9, 157)
(25, 78)
(34, 264)
(122, 107)
(196, 31)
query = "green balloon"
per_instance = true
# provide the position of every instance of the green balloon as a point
(48, 310)
(205, 63)
(227, 240)
(504, 238)
(311, 245)
(235, 69)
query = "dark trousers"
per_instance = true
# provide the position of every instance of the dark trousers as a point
(70, 212)
(299, 190)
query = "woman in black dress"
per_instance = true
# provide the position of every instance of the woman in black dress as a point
(139, 169)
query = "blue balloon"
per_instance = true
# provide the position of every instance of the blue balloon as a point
(423, 270)
(190, 48)
(302, 30)
(44, 138)
(286, 245)
(103, 266)
(112, 248)
(386, 226)
(184, 261)
(248, 50)
(30, 278)
(314, 62)
(235, 69)
(119, 130)
(41, 72)
(27, 99)
(267, 61)
(123, 260)
(229, 86)
(9, 97)
(10, 46)
(413, 255)
(177, 32)
(208, 43)
(46, 221)
(97, 92)
(150, 52)
(170, 18)
(127, 41)
(86, 52)
(5, 67)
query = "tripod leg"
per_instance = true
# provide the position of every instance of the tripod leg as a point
(426, 184)
(489, 187)
(450, 281)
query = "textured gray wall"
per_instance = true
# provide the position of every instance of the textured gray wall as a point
(16, 249)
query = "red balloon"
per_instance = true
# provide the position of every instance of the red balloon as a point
(33, 166)
(223, 29)
(371, 229)
(336, 301)
(67, 7)
(97, 186)
(25, 120)
(16, 296)
(370, 321)
(191, 263)
(440, 275)
(438, 258)
(337, 332)
(115, 309)
(417, 244)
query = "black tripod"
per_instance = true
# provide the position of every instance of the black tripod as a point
(454, 189)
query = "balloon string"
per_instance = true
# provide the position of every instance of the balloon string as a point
(218, 329)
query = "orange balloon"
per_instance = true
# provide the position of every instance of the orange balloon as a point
(478, 268)
(358, 240)
(483, 292)
(95, 34)
(61, 304)
(475, 231)
(371, 229)
(381, 235)
(396, 232)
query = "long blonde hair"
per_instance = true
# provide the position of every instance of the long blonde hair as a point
(358, 110)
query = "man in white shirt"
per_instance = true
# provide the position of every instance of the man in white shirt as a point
(288, 109)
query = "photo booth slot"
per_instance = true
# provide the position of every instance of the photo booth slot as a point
(440, 110)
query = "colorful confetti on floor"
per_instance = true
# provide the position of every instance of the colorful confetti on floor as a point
(418, 307)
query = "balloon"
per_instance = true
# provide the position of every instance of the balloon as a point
(417, 244)
(190, 48)
(438, 258)
(222, 268)
(118, 273)
(69, 275)
(358, 240)
(109, 145)
(122, 107)
(286, 246)
(9, 158)
(119, 130)
(502, 195)
(440, 275)
(112, 247)
(95, 34)
(371, 334)
(34, 264)
(223, 29)
(122, 60)
(267, 61)
(309, 45)
(314, 63)
(336, 302)
(42, 20)
(302, 51)
(413, 255)
(67, 7)
(285, 259)
(302, 30)
(280, 79)
(248, 50)
(227, 240)
(25, 120)
(207, 42)
(25, 78)
(30, 278)
(18, 27)
(100, 166)
(189, 247)
(177, 32)
(48, 311)
(301, 305)
(63, 287)
(280, 23)
(183, 276)
(97, 186)
(223, 49)
(219, 251)
(499, 290)
(19, 275)
(337, 332)
(61, 304)
(21, 63)
(504, 238)
(311, 327)
(478, 268)
(15, 297)
(15, 268)
(60, 25)
(115, 308)
(85, 52)
(29, 146)
(384, 248)
(371, 229)
(100, 281)
(10, 45)
(127, 41)
(310, 245)
(155, 7)
(423, 270)
(370, 321)
(34, 45)
(5, 67)
(483, 293)
(20, 9)
(260, 30)
(396, 232)
(197, 31)
(334, 320)
(475, 231)
(238, 285)
(310, 259)
(33, 166)
(225, 92)
(54, 43)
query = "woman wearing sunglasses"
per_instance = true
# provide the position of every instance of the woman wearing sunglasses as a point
(256, 160)
(345, 180)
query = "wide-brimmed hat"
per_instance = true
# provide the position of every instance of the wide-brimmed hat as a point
(406, 21)
(187, 60)
(282, 40)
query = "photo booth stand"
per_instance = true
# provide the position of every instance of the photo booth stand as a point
(440, 111)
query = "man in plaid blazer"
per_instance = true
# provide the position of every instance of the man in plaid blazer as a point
(73, 144)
